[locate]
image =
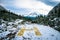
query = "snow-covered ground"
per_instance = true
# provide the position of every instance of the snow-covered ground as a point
(47, 33)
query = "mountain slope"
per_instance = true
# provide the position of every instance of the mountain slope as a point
(2, 8)
(7, 15)
(54, 17)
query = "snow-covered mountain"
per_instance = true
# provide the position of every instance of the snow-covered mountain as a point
(33, 14)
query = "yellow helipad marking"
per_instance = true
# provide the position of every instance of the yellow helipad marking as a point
(37, 31)
(21, 32)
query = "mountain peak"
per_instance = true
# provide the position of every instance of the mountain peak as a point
(33, 14)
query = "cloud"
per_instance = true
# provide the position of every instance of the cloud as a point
(50, 2)
(35, 6)
(56, 0)
(28, 5)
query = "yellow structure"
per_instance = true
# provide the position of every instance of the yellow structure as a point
(37, 31)
(21, 32)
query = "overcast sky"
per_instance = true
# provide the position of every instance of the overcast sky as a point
(25, 7)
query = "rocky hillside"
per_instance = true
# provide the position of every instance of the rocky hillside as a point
(2, 8)
(7, 15)
(54, 17)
